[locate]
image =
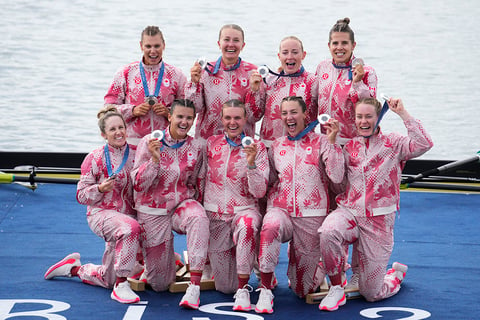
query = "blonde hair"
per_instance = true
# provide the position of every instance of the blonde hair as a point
(105, 113)
(290, 38)
(232, 26)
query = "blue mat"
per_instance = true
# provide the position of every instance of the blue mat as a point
(436, 235)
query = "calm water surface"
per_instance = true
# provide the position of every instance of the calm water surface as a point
(57, 58)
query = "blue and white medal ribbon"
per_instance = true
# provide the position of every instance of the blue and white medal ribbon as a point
(218, 64)
(109, 163)
(144, 80)
(173, 146)
(233, 144)
(302, 134)
(349, 67)
(380, 116)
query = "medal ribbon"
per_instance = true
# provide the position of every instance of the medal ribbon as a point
(380, 116)
(302, 134)
(233, 144)
(349, 67)
(109, 163)
(173, 146)
(217, 66)
(144, 80)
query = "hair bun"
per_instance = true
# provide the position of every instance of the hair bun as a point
(345, 20)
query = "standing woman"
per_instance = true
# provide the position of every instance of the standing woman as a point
(341, 85)
(236, 177)
(292, 80)
(366, 211)
(222, 80)
(143, 91)
(167, 198)
(105, 187)
(298, 202)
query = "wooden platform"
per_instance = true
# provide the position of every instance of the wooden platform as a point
(315, 298)
(182, 279)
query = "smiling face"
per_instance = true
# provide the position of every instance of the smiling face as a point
(341, 47)
(365, 119)
(152, 48)
(115, 131)
(291, 55)
(293, 117)
(233, 120)
(181, 120)
(231, 44)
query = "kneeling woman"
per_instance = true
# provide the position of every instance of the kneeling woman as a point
(298, 201)
(167, 190)
(236, 177)
(106, 188)
(366, 210)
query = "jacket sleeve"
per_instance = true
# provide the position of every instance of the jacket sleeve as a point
(87, 187)
(417, 142)
(258, 177)
(332, 157)
(116, 94)
(145, 170)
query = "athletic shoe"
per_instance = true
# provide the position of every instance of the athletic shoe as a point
(399, 270)
(123, 293)
(63, 267)
(191, 298)
(334, 299)
(242, 299)
(352, 284)
(265, 301)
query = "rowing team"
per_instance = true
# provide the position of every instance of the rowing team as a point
(238, 202)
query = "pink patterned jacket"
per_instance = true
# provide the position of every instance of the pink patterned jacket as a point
(213, 90)
(337, 95)
(302, 168)
(305, 85)
(126, 91)
(229, 185)
(375, 167)
(160, 187)
(94, 171)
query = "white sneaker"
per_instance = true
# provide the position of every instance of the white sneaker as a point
(242, 299)
(63, 267)
(334, 299)
(123, 293)
(191, 298)
(352, 284)
(399, 270)
(265, 301)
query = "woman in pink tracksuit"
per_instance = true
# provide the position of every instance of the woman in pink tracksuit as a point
(143, 91)
(167, 198)
(293, 80)
(340, 84)
(366, 210)
(298, 201)
(105, 187)
(236, 177)
(222, 80)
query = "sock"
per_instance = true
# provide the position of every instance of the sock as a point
(266, 279)
(74, 271)
(242, 281)
(195, 277)
(120, 280)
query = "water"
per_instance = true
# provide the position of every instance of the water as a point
(57, 58)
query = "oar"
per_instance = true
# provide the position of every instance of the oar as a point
(441, 169)
(441, 186)
(9, 178)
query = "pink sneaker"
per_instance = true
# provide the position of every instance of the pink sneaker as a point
(63, 267)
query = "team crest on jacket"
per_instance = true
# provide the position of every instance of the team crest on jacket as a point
(138, 81)
(354, 154)
(166, 82)
(308, 150)
(218, 148)
(216, 82)
(282, 152)
(244, 82)
(325, 76)
(190, 156)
